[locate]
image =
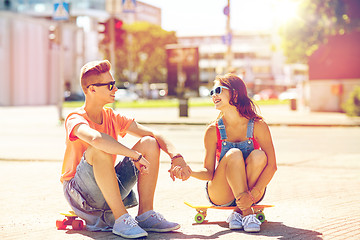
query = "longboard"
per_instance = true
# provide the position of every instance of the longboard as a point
(70, 219)
(202, 211)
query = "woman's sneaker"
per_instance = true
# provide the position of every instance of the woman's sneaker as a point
(155, 222)
(126, 227)
(251, 223)
(235, 221)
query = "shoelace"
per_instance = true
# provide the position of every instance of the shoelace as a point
(130, 221)
(251, 219)
(158, 216)
(234, 216)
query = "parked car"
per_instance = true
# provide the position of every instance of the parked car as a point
(291, 93)
(125, 95)
(204, 91)
(266, 94)
(73, 96)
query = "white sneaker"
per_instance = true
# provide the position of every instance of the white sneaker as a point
(126, 227)
(251, 223)
(235, 221)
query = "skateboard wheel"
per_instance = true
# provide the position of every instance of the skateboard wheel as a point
(60, 224)
(261, 217)
(199, 218)
(77, 225)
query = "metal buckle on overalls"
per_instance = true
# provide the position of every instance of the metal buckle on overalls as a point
(249, 141)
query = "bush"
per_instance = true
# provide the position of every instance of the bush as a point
(352, 105)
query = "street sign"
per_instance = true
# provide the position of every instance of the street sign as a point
(61, 11)
(129, 6)
(226, 39)
(227, 10)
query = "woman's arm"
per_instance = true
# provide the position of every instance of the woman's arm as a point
(210, 140)
(263, 136)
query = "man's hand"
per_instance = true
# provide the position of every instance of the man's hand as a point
(142, 165)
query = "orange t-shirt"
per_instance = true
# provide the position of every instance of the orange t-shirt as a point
(113, 124)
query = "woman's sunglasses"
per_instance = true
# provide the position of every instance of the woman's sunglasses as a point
(110, 85)
(217, 90)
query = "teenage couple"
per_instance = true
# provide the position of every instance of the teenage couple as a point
(239, 159)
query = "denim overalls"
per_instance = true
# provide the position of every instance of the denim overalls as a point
(246, 146)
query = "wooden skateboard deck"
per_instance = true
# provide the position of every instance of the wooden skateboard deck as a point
(202, 211)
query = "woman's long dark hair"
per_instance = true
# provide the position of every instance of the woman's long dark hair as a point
(238, 95)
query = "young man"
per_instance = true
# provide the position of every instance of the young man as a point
(97, 191)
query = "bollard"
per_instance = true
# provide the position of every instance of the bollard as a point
(183, 107)
(293, 104)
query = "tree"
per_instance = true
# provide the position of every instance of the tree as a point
(143, 52)
(316, 21)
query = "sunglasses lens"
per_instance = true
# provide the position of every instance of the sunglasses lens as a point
(111, 86)
(211, 92)
(218, 90)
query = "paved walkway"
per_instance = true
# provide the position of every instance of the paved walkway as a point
(314, 190)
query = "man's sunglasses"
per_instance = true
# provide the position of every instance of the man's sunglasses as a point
(110, 85)
(217, 90)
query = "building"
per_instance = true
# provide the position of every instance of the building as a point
(253, 58)
(41, 57)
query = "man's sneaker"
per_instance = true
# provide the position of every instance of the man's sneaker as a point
(251, 223)
(235, 221)
(126, 227)
(155, 222)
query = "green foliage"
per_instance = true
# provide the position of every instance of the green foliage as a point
(316, 21)
(352, 105)
(143, 52)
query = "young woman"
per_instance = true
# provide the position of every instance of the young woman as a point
(239, 154)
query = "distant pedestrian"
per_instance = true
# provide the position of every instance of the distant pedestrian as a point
(239, 154)
(98, 190)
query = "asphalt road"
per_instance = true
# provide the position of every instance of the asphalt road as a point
(314, 190)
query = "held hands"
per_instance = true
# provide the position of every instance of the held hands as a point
(179, 169)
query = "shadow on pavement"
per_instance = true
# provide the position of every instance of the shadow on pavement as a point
(269, 229)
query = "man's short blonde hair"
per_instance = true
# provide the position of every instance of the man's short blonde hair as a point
(92, 69)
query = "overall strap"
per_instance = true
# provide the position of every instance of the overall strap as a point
(222, 130)
(250, 129)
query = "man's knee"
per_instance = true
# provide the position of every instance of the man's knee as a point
(149, 145)
(93, 155)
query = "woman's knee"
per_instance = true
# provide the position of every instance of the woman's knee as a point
(234, 157)
(258, 158)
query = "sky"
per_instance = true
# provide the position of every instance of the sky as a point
(206, 17)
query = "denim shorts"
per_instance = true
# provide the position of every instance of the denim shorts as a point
(86, 199)
(229, 204)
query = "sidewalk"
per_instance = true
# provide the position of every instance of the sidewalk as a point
(314, 189)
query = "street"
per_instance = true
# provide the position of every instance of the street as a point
(314, 190)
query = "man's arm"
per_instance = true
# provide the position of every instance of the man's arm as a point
(106, 143)
(182, 171)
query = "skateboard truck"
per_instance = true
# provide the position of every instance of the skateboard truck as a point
(71, 220)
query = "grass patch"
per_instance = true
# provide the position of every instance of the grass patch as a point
(165, 103)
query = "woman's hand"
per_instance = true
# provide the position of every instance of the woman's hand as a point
(244, 201)
(179, 169)
(256, 193)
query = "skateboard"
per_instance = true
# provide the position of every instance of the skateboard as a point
(70, 219)
(202, 211)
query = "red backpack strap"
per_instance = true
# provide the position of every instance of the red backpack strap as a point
(218, 145)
